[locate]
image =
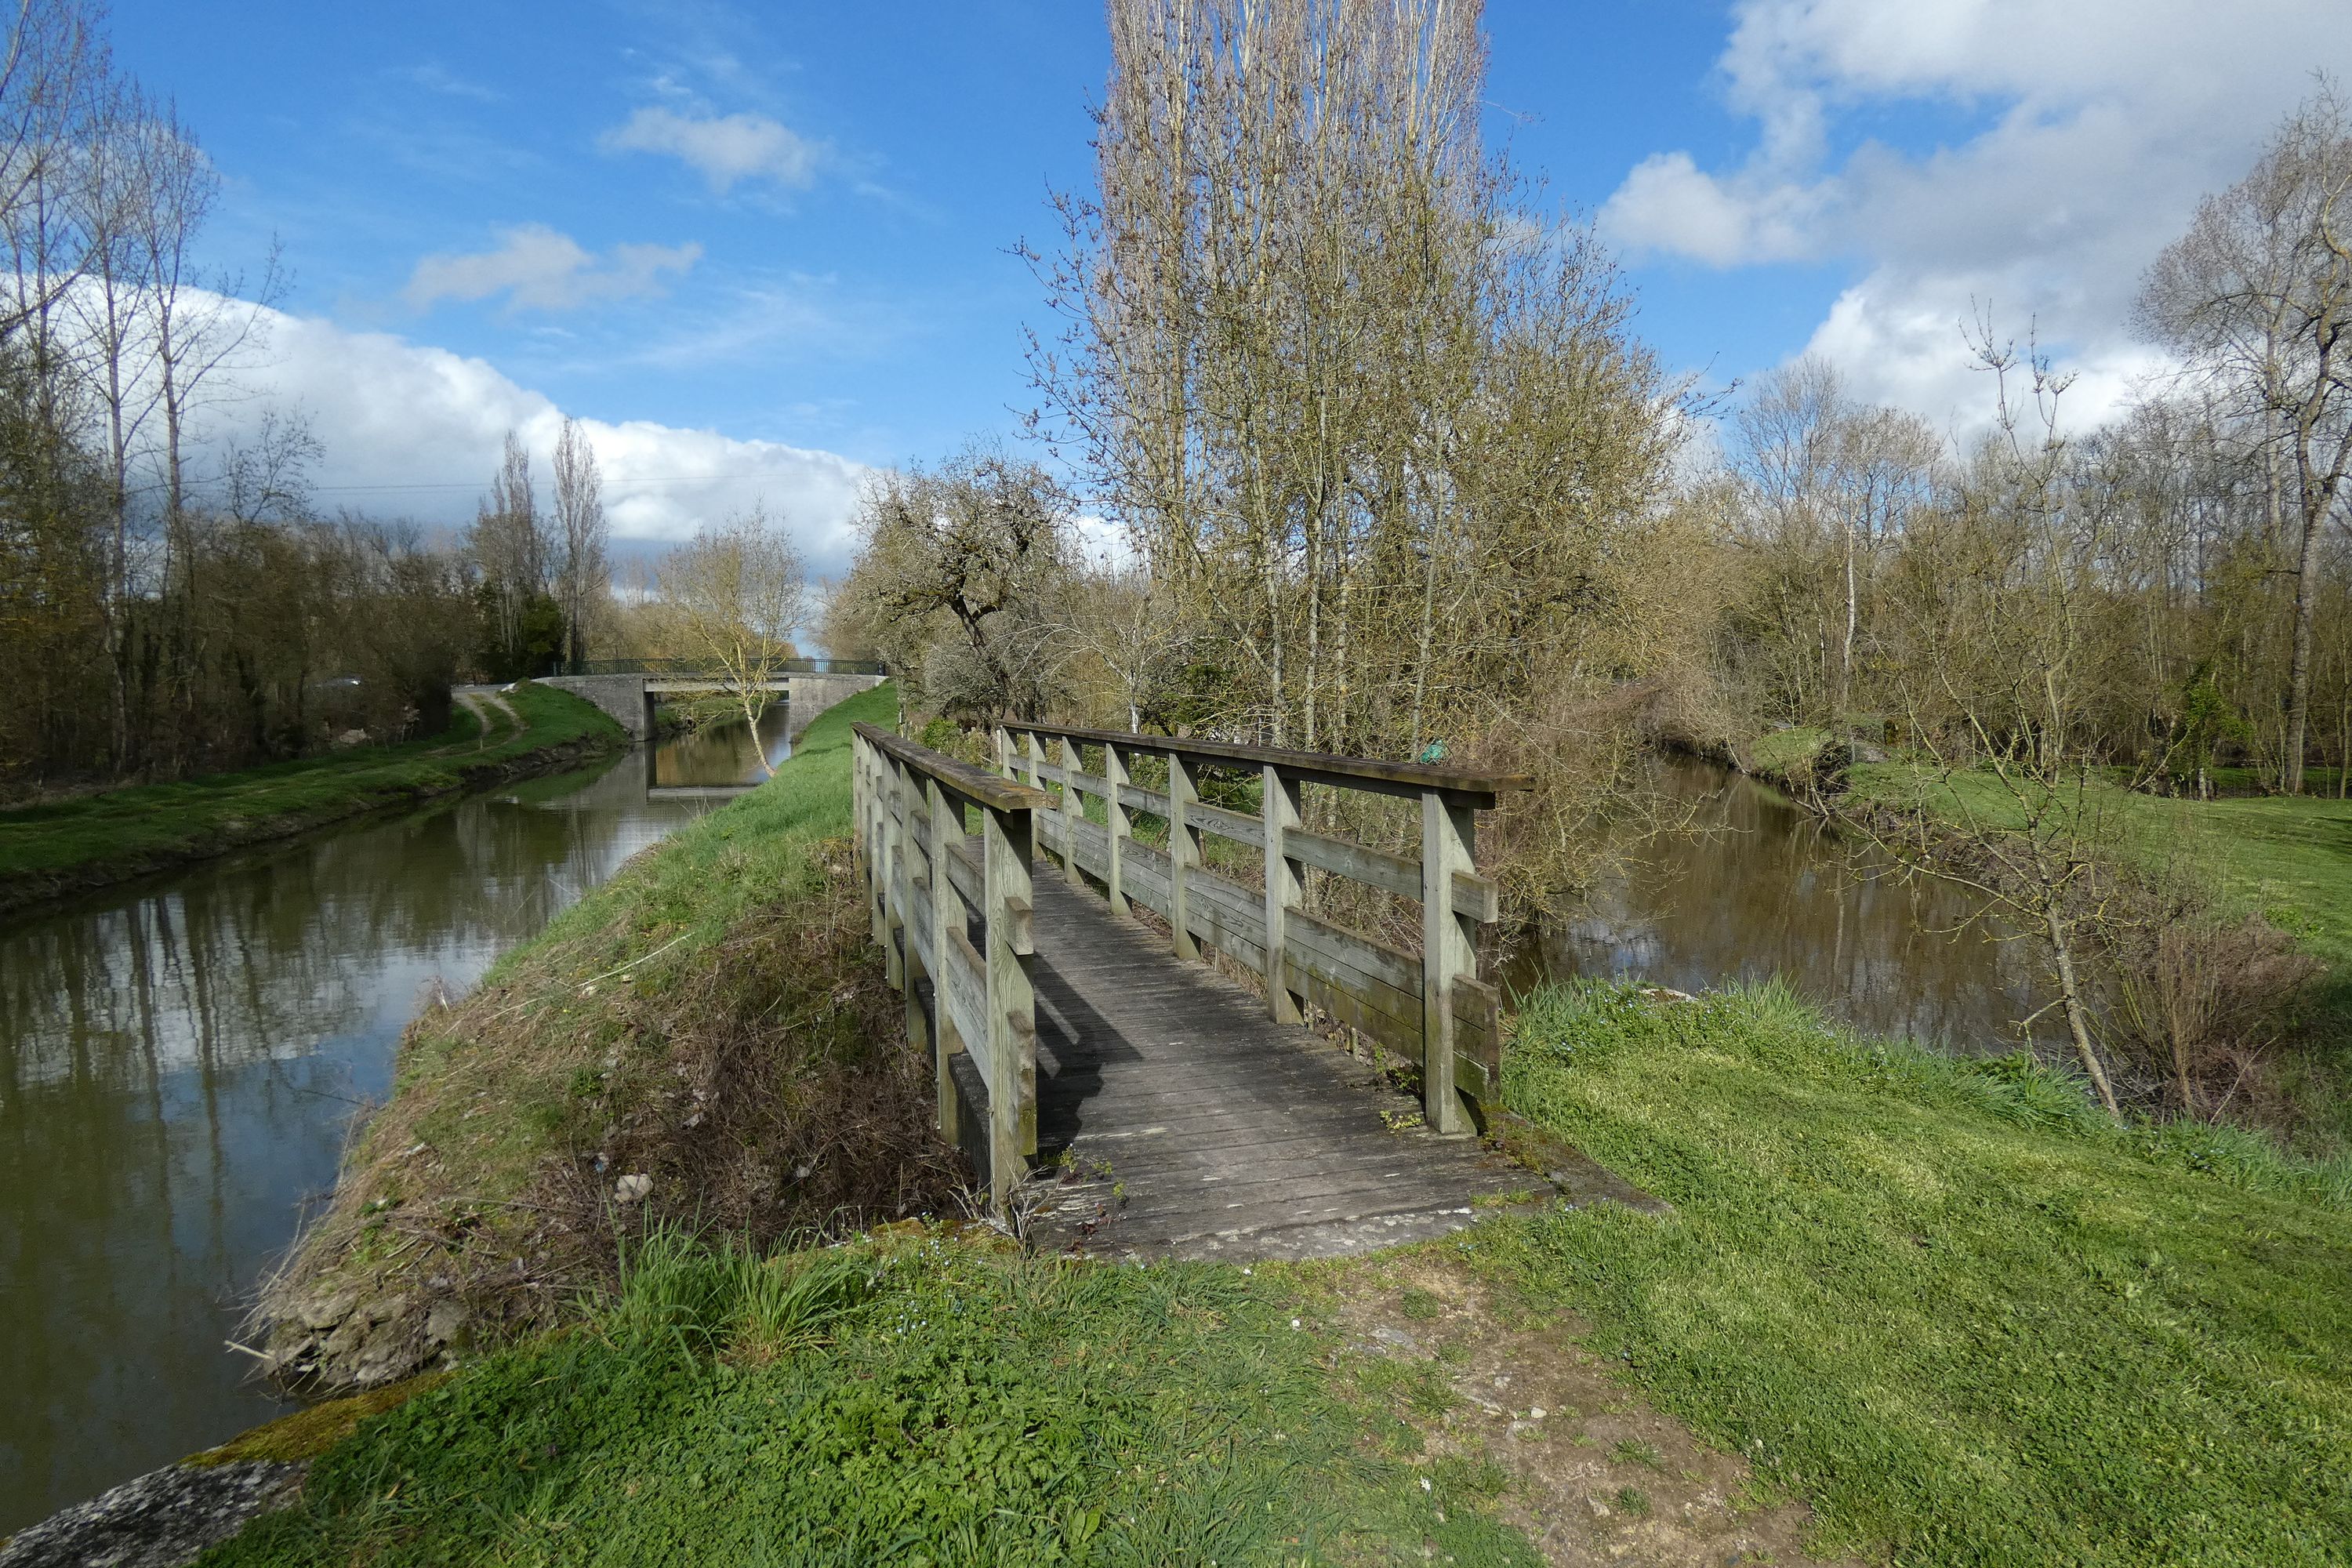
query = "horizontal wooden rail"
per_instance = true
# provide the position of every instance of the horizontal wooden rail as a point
(1429, 1006)
(1410, 779)
(971, 1003)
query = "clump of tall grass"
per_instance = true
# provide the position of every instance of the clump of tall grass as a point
(702, 1295)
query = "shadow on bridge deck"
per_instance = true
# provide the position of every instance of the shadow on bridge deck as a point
(1198, 1128)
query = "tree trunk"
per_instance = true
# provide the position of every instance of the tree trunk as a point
(2077, 1020)
(2298, 693)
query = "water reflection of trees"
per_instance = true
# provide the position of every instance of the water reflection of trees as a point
(235, 962)
(1761, 890)
(178, 1069)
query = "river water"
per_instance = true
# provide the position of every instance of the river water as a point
(1757, 888)
(180, 1063)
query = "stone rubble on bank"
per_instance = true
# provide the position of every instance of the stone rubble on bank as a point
(164, 1519)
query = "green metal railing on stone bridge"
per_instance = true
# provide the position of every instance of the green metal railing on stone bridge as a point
(702, 667)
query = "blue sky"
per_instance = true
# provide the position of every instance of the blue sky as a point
(762, 245)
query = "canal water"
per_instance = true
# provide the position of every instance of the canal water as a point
(1757, 888)
(181, 1062)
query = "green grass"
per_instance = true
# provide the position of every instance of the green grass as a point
(2287, 859)
(1944, 1301)
(1787, 757)
(96, 838)
(909, 1399)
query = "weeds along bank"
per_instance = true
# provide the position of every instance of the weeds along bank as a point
(707, 1036)
(73, 845)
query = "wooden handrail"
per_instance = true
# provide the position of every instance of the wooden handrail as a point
(977, 785)
(971, 1006)
(1430, 1005)
(1476, 788)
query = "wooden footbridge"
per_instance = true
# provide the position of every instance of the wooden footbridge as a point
(1116, 1085)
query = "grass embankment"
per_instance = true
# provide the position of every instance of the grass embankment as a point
(1962, 1314)
(906, 1399)
(1960, 1311)
(711, 1022)
(88, 842)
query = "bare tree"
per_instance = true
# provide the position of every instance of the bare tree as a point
(267, 478)
(2259, 294)
(734, 595)
(584, 575)
(510, 545)
(1996, 605)
(962, 577)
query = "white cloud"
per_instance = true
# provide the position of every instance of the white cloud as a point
(2096, 126)
(539, 268)
(726, 148)
(415, 431)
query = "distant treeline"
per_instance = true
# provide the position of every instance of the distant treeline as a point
(170, 600)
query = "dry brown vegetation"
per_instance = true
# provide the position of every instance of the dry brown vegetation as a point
(653, 1060)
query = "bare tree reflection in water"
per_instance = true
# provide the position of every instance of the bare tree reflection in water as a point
(1759, 888)
(179, 1064)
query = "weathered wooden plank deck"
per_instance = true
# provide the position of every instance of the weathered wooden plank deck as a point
(1198, 1128)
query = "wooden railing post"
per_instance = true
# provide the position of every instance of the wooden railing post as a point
(1033, 756)
(1012, 1001)
(867, 763)
(1114, 782)
(1183, 849)
(1074, 810)
(1284, 885)
(891, 798)
(921, 966)
(1448, 845)
(1004, 751)
(946, 914)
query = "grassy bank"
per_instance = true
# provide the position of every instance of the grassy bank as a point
(1957, 1309)
(1959, 1312)
(1965, 1317)
(711, 1022)
(911, 1398)
(88, 842)
(2287, 859)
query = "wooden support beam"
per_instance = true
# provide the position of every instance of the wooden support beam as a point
(1285, 886)
(1183, 848)
(1113, 787)
(947, 916)
(1074, 808)
(890, 798)
(1448, 845)
(1012, 1008)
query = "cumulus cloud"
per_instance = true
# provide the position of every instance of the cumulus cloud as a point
(415, 431)
(2094, 128)
(540, 268)
(726, 148)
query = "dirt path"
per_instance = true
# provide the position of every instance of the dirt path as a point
(1578, 1462)
(481, 701)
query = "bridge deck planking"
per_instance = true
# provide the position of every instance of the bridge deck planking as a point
(1201, 1128)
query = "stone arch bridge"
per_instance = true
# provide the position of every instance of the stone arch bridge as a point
(629, 690)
